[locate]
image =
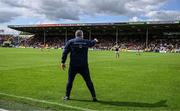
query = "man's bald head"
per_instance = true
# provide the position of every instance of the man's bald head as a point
(79, 33)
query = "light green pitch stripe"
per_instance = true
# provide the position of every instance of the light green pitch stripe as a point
(46, 102)
(3, 110)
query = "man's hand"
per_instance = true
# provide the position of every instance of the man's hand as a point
(96, 40)
(63, 66)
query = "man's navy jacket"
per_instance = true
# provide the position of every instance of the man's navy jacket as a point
(78, 49)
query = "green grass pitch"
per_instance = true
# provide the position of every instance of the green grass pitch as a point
(150, 81)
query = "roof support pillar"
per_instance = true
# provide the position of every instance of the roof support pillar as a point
(117, 36)
(66, 35)
(147, 36)
(90, 34)
(18, 41)
(44, 41)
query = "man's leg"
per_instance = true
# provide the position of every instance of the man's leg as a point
(86, 76)
(71, 75)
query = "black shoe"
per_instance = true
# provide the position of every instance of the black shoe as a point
(66, 98)
(95, 99)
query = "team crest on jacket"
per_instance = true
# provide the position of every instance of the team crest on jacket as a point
(80, 45)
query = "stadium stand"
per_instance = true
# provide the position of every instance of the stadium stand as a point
(155, 45)
(153, 36)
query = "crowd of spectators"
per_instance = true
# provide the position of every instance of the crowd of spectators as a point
(51, 42)
(153, 45)
(8, 38)
(105, 43)
(164, 45)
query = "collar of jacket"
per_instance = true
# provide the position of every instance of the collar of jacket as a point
(78, 37)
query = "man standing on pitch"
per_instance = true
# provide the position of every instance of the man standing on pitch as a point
(117, 51)
(78, 49)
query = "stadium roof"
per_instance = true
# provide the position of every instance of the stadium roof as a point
(163, 26)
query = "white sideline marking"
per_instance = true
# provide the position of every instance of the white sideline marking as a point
(3, 110)
(46, 102)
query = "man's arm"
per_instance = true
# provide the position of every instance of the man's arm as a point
(64, 55)
(92, 42)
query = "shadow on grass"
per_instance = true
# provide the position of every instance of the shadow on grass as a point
(161, 103)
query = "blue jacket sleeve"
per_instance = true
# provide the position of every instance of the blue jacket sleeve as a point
(65, 52)
(92, 43)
